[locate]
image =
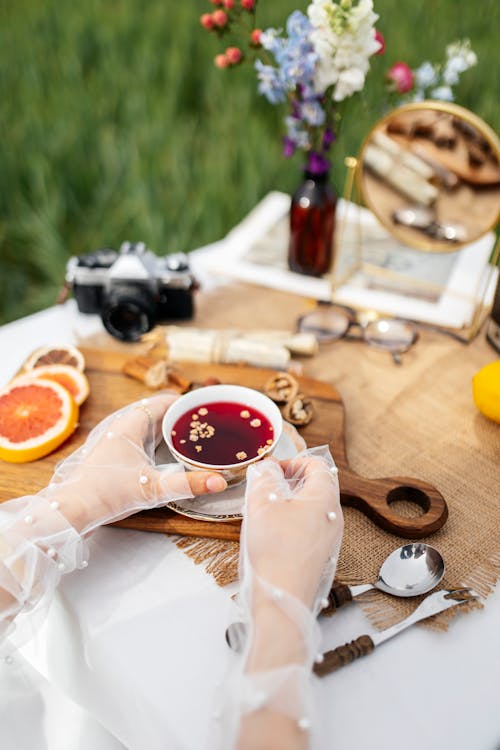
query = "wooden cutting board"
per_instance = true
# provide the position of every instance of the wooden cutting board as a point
(111, 389)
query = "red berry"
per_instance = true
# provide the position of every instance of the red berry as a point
(247, 4)
(255, 37)
(216, 2)
(234, 55)
(219, 18)
(207, 21)
(221, 61)
(228, 4)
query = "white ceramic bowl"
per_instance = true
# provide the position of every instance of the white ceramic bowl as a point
(247, 397)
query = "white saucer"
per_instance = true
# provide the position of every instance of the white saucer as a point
(222, 506)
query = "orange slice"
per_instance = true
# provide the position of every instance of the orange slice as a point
(36, 416)
(69, 377)
(56, 355)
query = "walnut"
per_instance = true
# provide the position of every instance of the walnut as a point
(299, 411)
(281, 388)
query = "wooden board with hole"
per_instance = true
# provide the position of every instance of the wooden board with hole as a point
(111, 389)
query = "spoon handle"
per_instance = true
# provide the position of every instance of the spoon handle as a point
(338, 595)
(342, 655)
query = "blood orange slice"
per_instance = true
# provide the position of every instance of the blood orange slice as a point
(36, 416)
(69, 377)
(56, 355)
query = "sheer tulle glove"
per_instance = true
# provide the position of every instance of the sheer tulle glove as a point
(114, 474)
(290, 540)
(111, 476)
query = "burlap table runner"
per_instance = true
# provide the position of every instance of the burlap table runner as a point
(417, 419)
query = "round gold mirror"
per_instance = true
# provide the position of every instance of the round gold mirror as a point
(430, 172)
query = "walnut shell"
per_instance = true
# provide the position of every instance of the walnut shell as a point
(281, 388)
(299, 411)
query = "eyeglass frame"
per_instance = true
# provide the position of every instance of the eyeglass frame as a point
(352, 318)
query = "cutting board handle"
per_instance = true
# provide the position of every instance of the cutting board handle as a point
(374, 498)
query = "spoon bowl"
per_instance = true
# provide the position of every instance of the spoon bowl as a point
(410, 570)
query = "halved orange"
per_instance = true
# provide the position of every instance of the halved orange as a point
(64, 354)
(69, 377)
(36, 416)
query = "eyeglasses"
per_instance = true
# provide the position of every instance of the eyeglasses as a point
(332, 322)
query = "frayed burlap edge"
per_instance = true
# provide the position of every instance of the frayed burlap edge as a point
(220, 556)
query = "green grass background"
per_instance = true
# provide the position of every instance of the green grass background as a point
(114, 124)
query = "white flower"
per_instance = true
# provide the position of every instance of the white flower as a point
(442, 92)
(426, 75)
(349, 81)
(344, 41)
(462, 50)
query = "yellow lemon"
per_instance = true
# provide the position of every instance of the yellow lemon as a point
(486, 390)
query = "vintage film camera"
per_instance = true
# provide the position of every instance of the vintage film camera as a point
(132, 290)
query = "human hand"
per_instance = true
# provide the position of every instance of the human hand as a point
(114, 474)
(291, 534)
(293, 525)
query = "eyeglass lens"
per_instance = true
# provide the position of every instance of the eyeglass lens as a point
(331, 323)
(394, 335)
(327, 324)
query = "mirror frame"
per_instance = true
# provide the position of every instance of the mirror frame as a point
(470, 118)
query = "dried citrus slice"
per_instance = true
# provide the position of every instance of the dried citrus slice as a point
(69, 377)
(56, 355)
(36, 416)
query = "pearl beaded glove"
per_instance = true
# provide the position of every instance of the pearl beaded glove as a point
(111, 476)
(290, 540)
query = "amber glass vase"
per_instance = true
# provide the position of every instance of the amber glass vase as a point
(312, 225)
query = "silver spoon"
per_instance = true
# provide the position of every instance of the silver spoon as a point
(410, 570)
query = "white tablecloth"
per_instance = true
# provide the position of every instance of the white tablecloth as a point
(133, 649)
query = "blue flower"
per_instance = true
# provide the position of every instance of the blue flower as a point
(312, 112)
(297, 25)
(294, 55)
(271, 41)
(270, 84)
(297, 133)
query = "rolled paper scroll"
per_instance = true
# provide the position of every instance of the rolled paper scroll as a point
(403, 156)
(257, 348)
(211, 347)
(301, 344)
(399, 176)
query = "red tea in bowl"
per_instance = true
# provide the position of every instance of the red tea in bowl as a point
(222, 433)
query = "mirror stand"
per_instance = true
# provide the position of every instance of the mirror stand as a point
(377, 273)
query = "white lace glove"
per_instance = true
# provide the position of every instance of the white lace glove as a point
(111, 476)
(290, 540)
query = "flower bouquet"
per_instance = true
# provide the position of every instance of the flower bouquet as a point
(311, 67)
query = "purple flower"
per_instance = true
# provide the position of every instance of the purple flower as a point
(328, 138)
(288, 147)
(316, 163)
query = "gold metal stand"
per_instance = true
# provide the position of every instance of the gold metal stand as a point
(342, 273)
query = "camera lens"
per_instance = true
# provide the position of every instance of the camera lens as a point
(128, 312)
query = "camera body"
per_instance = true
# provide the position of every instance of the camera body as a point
(132, 289)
